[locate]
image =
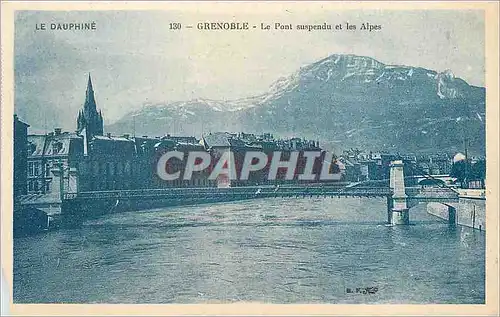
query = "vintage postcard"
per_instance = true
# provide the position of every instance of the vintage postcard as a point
(254, 158)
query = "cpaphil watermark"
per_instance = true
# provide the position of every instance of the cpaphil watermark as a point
(303, 165)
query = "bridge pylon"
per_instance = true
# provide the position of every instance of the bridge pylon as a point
(397, 210)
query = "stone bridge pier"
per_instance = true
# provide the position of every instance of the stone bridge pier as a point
(397, 210)
(402, 199)
(452, 214)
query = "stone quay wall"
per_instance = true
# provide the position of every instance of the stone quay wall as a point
(470, 210)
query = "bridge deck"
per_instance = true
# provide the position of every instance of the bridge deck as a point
(415, 193)
(243, 192)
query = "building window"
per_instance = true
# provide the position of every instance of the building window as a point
(47, 169)
(30, 169)
(33, 168)
(36, 168)
(31, 148)
(56, 147)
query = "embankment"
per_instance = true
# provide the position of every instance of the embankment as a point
(470, 210)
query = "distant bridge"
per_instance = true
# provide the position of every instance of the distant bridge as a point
(433, 179)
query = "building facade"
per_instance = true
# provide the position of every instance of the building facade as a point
(240, 143)
(375, 166)
(20, 158)
(56, 150)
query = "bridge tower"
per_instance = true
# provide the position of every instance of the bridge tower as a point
(397, 211)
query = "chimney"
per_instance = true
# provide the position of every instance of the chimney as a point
(57, 131)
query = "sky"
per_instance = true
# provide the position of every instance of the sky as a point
(135, 59)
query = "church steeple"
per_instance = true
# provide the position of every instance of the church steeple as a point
(89, 85)
(89, 98)
(90, 119)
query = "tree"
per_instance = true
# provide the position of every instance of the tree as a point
(478, 171)
(465, 171)
(459, 170)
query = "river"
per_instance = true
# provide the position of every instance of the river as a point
(312, 250)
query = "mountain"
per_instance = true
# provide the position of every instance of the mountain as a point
(344, 101)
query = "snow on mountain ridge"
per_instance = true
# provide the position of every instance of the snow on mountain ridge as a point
(444, 90)
(335, 67)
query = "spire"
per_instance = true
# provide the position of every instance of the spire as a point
(90, 118)
(89, 106)
(89, 85)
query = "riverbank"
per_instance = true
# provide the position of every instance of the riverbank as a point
(470, 209)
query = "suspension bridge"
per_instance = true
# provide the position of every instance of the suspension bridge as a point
(400, 198)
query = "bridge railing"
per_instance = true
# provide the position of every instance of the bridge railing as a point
(233, 191)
